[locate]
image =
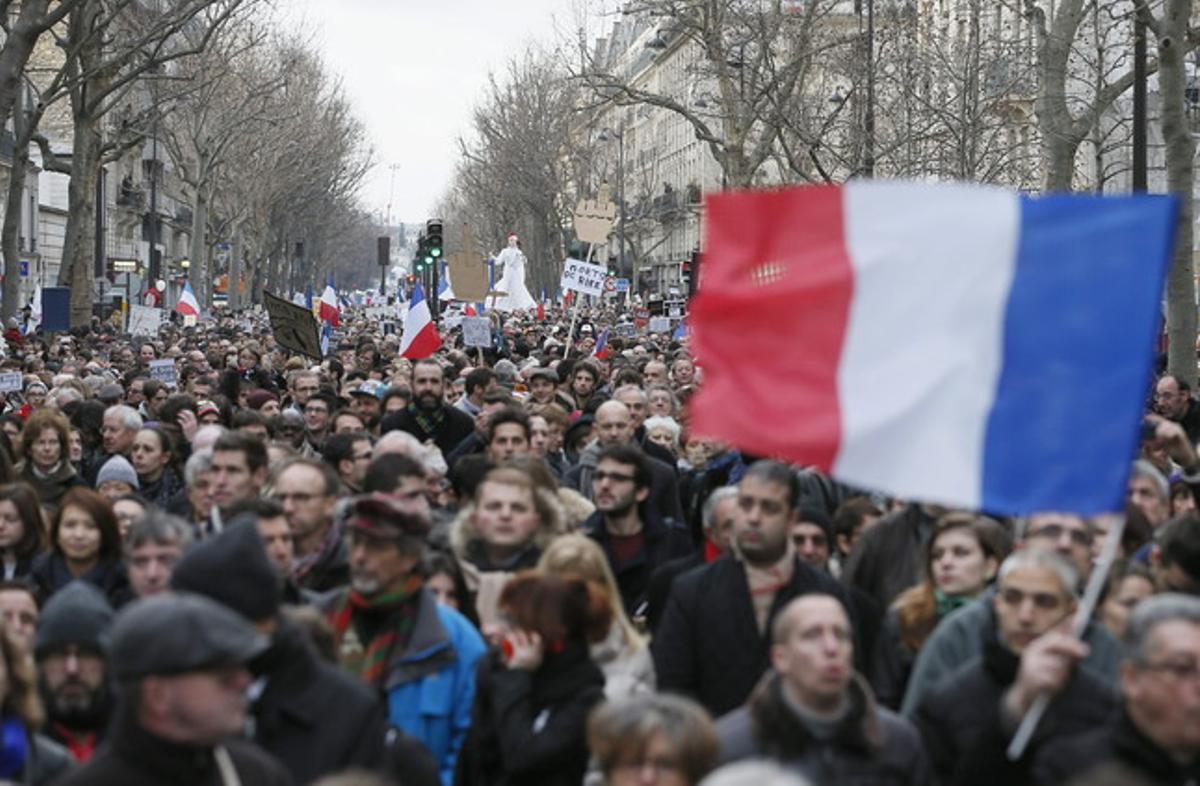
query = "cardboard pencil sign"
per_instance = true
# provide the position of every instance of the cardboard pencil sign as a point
(294, 327)
(594, 218)
(468, 271)
(583, 277)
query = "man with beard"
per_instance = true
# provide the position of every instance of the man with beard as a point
(706, 645)
(391, 633)
(635, 540)
(429, 417)
(71, 651)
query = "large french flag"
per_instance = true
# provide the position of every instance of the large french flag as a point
(957, 344)
(420, 339)
(188, 305)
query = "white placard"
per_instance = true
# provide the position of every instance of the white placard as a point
(477, 331)
(584, 277)
(11, 381)
(144, 320)
(660, 324)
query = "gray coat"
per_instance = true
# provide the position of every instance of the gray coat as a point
(872, 745)
(958, 639)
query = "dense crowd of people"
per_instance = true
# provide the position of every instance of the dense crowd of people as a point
(520, 565)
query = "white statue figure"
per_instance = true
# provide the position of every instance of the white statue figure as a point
(512, 280)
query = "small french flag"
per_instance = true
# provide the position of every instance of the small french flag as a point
(601, 350)
(329, 305)
(420, 338)
(188, 305)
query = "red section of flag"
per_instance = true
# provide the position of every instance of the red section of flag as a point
(424, 344)
(770, 322)
(541, 312)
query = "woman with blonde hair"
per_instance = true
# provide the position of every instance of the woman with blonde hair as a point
(25, 756)
(623, 655)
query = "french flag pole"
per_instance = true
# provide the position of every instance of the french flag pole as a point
(575, 311)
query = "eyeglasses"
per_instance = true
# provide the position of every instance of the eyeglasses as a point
(1179, 670)
(616, 477)
(1080, 537)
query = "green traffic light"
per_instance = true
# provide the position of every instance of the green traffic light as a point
(437, 252)
(429, 260)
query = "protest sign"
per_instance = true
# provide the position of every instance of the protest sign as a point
(660, 324)
(164, 372)
(625, 330)
(584, 277)
(144, 320)
(477, 331)
(11, 381)
(294, 327)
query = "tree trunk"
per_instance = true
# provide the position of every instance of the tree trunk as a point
(79, 252)
(198, 272)
(18, 46)
(1181, 289)
(10, 303)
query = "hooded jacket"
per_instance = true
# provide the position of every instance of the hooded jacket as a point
(485, 579)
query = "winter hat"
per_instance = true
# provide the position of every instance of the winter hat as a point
(234, 570)
(810, 515)
(256, 399)
(78, 614)
(118, 468)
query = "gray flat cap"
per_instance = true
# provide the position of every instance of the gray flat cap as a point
(178, 632)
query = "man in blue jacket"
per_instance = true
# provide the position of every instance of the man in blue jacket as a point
(392, 634)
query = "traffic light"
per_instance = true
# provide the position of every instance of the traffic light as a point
(691, 272)
(384, 250)
(433, 237)
(419, 254)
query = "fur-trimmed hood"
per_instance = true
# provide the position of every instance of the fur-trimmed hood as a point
(463, 532)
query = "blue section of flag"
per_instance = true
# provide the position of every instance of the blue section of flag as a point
(326, 336)
(601, 342)
(417, 296)
(680, 331)
(1079, 337)
(308, 297)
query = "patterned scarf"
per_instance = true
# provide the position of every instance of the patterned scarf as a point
(302, 566)
(400, 610)
(429, 422)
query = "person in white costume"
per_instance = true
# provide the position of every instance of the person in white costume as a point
(512, 281)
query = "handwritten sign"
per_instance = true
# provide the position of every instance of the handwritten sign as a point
(11, 381)
(660, 324)
(477, 331)
(594, 218)
(164, 372)
(583, 277)
(144, 320)
(294, 327)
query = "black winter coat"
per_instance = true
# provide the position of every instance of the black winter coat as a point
(871, 746)
(529, 729)
(456, 427)
(134, 757)
(965, 734)
(708, 645)
(49, 573)
(1116, 753)
(316, 719)
(661, 580)
(665, 541)
(887, 558)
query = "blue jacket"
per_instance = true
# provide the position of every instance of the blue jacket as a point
(431, 685)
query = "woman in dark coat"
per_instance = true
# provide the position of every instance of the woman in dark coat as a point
(85, 544)
(533, 693)
(45, 457)
(22, 530)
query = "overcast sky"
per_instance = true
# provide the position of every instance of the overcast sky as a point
(414, 69)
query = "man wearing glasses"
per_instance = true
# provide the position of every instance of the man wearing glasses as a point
(1156, 736)
(635, 540)
(1173, 400)
(307, 490)
(959, 638)
(968, 718)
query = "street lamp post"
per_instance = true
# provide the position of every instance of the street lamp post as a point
(605, 135)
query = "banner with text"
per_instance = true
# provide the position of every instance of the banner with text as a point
(584, 277)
